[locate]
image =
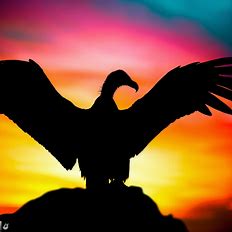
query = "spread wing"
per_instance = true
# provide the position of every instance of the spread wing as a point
(180, 92)
(29, 99)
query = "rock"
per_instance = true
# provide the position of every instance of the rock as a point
(115, 208)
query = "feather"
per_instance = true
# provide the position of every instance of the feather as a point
(204, 110)
(217, 104)
(221, 91)
(224, 81)
(219, 61)
(224, 70)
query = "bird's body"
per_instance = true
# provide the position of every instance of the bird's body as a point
(106, 162)
(103, 138)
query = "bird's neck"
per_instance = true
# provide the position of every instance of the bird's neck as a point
(108, 90)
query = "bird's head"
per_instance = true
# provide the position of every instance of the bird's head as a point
(117, 79)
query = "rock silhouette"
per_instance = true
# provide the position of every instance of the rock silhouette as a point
(115, 208)
(104, 138)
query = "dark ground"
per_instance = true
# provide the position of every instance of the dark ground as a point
(116, 208)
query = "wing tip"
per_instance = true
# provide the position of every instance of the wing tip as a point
(219, 61)
(205, 110)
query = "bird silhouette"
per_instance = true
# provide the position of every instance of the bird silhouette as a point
(103, 138)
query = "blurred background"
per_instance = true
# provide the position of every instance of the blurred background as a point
(186, 170)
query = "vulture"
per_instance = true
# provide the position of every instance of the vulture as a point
(103, 138)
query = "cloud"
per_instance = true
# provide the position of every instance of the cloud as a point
(211, 217)
(214, 17)
(22, 35)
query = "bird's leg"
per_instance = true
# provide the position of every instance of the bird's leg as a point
(118, 182)
(121, 169)
(96, 182)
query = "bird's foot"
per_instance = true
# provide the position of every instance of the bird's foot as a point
(119, 184)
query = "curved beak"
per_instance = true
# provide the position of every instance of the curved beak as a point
(133, 85)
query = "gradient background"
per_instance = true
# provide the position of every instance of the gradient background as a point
(187, 168)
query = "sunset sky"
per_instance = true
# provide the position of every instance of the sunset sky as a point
(187, 169)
